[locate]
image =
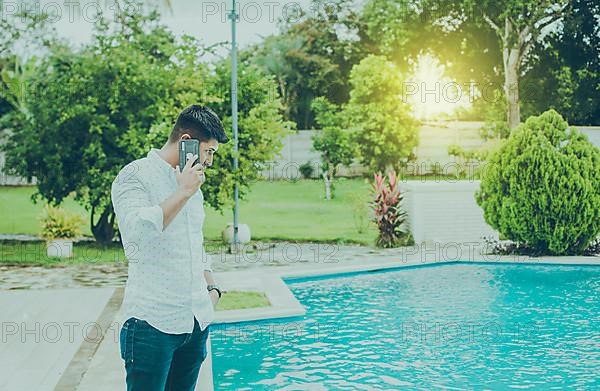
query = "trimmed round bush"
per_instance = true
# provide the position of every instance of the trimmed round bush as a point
(541, 187)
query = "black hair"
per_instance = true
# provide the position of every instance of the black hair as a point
(200, 123)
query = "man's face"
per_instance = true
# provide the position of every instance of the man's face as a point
(207, 151)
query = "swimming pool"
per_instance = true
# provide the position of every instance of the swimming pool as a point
(455, 326)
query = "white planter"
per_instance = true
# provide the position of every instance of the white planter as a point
(61, 248)
(243, 234)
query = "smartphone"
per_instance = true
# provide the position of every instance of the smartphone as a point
(187, 149)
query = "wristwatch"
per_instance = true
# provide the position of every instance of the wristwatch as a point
(214, 287)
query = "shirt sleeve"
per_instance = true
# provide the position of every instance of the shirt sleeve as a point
(136, 215)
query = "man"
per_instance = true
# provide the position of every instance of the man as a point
(170, 290)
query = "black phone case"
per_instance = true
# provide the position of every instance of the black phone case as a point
(186, 147)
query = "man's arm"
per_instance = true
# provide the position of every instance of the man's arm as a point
(214, 295)
(133, 207)
(138, 218)
(209, 277)
(172, 206)
(189, 180)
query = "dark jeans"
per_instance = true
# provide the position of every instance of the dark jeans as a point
(157, 361)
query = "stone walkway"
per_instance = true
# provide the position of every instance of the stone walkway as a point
(254, 257)
(42, 330)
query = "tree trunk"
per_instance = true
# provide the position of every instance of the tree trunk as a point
(104, 229)
(327, 185)
(511, 86)
(284, 98)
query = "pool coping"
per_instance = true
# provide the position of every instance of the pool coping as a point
(285, 305)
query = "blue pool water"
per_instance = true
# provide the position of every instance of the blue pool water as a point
(462, 326)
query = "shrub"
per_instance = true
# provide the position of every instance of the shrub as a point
(541, 188)
(387, 212)
(60, 224)
(306, 170)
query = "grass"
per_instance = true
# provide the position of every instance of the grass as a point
(21, 216)
(238, 300)
(274, 210)
(34, 254)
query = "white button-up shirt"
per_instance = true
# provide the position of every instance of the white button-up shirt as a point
(165, 285)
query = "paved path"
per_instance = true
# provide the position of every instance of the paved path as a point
(41, 332)
(255, 257)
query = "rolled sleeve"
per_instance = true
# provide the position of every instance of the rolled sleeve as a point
(136, 215)
(153, 214)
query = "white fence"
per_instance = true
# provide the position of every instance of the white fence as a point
(434, 140)
(444, 212)
(10, 180)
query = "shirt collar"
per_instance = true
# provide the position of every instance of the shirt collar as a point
(159, 161)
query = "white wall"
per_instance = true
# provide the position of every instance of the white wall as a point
(444, 211)
(434, 139)
(10, 180)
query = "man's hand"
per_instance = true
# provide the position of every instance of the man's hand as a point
(214, 297)
(190, 178)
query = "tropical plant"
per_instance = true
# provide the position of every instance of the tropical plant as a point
(387, 211)
(57, 223)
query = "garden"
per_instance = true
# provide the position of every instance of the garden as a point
(371, 82)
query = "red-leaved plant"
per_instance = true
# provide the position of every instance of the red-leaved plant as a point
(387, 212)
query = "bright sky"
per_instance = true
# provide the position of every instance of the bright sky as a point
(206, 20)
(431, 93)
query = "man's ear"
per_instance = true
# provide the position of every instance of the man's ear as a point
(185, 136)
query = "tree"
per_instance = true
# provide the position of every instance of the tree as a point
(394, 29)
(564, 72)
(516, 24)
(333, 141)
(95, 110)
(90, 111)
(519, 25)
(272, 56)
(27, 32)
(261, 125)
(461, 33)
(383, 129)
(311, 57)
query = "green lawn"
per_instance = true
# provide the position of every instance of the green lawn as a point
(21, 216)
(238, 300)
(34, 253)
(274, 210)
